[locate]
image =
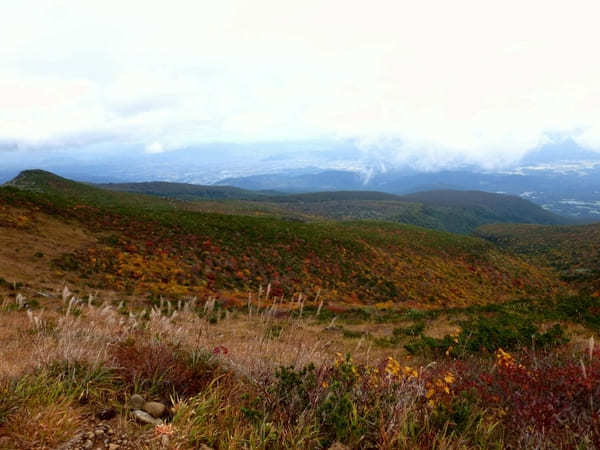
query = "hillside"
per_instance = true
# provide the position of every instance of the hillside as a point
(185, 191)
(574, 251)
(453, 211)
(155, 247)
(327, 180)
(501, 207)
(339, 196)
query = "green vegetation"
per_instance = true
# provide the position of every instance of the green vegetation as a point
(183, 191)
(515, 325)
(488, 335)
(453, 211)
(504, 208)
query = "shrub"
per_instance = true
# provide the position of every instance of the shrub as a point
(162, 369)
(67, 262)
(553, 396)
(292, 389)
(488, 334)
(413, 330)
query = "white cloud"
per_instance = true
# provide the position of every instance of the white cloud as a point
(155, 147)
(477, 81)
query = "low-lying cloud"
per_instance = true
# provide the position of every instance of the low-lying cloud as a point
(432, 83)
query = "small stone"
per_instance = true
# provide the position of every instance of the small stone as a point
(136, 401)
(90, 435)
(155, 409)
(144, 417)
(99, 432)
(88, 444)
(113, 446)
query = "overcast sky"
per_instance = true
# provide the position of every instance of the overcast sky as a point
(484, 79)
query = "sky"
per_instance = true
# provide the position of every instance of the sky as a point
(478, 80)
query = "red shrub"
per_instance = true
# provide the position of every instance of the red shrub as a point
(162, 367)
(542, 394)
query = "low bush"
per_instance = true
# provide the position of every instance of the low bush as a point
(487, 334)
(162, 369)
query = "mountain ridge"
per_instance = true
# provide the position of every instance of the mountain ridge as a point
(441, 209)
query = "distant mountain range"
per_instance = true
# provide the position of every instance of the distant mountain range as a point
(564, 179)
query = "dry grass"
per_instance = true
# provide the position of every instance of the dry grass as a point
(69, 332)
(18, 346)
(44, 236)
(109, 353)
(44, 427)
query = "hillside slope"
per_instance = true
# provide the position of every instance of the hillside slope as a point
(504, 208)
(453, 211)
(185, 191)
(154, 248)
(574, 251)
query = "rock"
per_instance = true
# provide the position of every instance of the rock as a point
(136, 401)
(88, 444)
(113, 446)
(144, 417)
(106, 414)
(99, 433)
(155, 409)
(90, 435)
